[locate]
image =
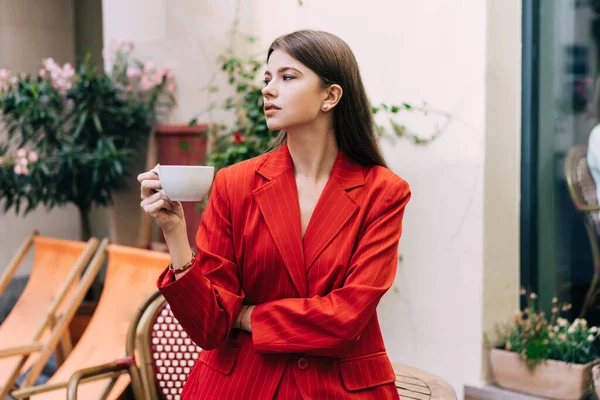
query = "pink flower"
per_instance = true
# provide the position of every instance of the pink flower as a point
(22, 161)
(171, 87)
(5, 73)
(164, 72)
(21, 153)
(21, 170)
(68, 71)
(149, 67)
(133, 72)
(1, 161)
(33, 157)
(145, 83)
(42, 73)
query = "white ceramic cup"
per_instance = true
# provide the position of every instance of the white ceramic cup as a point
(185, 182)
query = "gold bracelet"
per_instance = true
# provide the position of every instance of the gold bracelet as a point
(187, 266)
(242, 318)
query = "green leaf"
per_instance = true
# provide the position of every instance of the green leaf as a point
(82, 119)
(97, 123)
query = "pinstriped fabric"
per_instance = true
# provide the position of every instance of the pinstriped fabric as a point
(288, 389)
(315, 329)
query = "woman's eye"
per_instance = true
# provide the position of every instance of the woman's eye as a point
(266, 82)
(288, 77)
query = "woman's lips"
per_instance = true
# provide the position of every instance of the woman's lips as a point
(271, 109)
(269, 112)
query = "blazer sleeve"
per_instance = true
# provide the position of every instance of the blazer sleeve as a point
(207, 299)
(328, 325)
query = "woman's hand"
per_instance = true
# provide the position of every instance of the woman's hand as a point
(167, 214)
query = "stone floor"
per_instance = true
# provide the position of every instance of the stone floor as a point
(11, 295)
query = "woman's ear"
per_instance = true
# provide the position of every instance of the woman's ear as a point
(333, 94)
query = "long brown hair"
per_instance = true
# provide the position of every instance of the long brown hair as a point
(333, 61)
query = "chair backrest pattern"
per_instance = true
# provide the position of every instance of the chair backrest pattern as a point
(173, 353)
(582, 184)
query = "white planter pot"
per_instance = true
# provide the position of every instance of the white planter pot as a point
(551, 379)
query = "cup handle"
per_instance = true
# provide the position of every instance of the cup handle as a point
(156, 171)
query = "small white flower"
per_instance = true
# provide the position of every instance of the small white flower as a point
(590, 338)
(572, 329)
(575, 322)
(562, 322)
(593, 329)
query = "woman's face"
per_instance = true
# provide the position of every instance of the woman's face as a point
(293, 94)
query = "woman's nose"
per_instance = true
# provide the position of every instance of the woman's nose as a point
(269, 92)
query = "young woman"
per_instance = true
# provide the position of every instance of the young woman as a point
(296, 247)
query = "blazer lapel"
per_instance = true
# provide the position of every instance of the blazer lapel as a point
(278, 203)
(334, 208)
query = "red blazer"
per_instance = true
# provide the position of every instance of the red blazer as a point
(316, 296)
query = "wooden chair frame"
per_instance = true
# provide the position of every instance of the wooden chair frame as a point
(15, 263)
(56, 323)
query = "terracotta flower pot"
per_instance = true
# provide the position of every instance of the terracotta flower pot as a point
(596, 379)
(551, 379)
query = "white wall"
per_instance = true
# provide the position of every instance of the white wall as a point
(408, 51)
(29, 31)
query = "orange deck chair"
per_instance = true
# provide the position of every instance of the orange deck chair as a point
(37, 326)
(131, 276)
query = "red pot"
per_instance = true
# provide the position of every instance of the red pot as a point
(184, 145)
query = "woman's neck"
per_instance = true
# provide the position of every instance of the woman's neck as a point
(313, 152)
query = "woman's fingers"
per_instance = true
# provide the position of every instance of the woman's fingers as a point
(149, 187)
(156, 197)
(148, 175)
(155, 208)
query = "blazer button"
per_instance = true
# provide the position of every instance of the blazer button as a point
(303, 363)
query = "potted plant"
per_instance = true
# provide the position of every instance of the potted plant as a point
(72, 134)
(551, 359)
